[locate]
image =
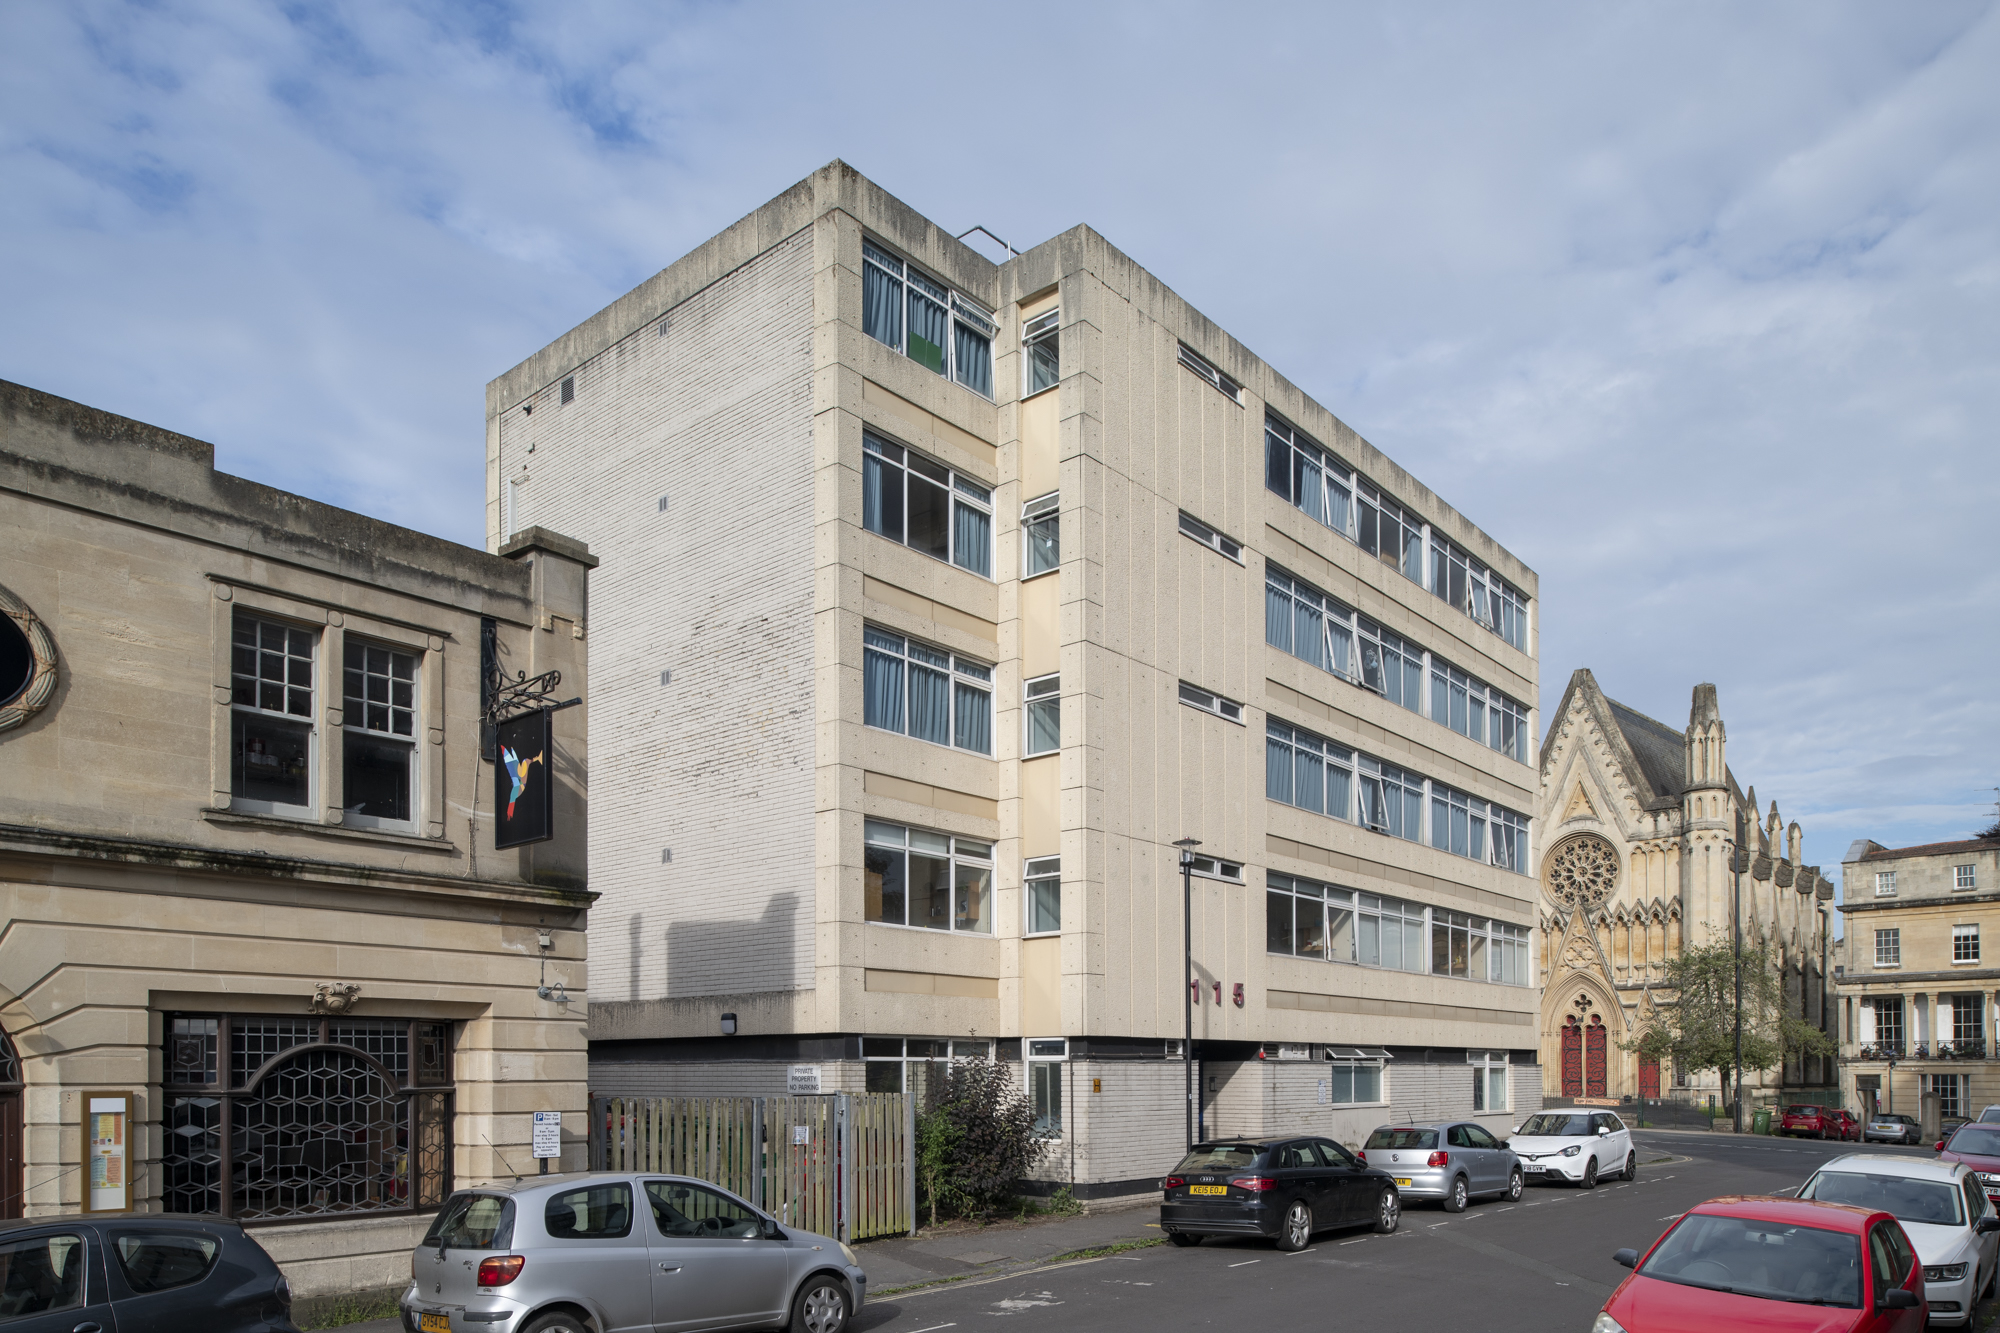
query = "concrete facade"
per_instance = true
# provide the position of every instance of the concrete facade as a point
(157, 917)
(705, 434)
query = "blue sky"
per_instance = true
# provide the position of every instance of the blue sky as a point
(1695, 308)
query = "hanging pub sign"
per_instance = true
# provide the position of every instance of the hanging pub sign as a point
(523, 792)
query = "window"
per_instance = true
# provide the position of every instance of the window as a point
(1478, 712)
(1296, 468)
(1885, 883)
(1489, 1085)
(1950, 1090)
(271, 716)
(163, 1260)
(1968, 1021)
(1392, 800)
(1478, 949)
(1201, 366)
(378, 740)
(1388, 530)
(1209, 537)
(1045, 1092)
(1391, 666)
(1042, 362)
(1476, 590)
(1355, 1082)
(1043, 706)
(1041, 535)
(1509, 954)
(270, 1116)
(929, 880)
(1889, 948)
(1965, 944)
(1043, 879)
(1194, 696)
(1210, 867)
(595, 1212)
(1308, 771)
(896, 1064)
(932, 325)
(1888, 1014)
(1965, 877)
(1458, 822)
(1363, 928)
(1509, 839)
(1308, 624)
(917, 690)
(681, 1209)
(43, 1275)
(926, 506)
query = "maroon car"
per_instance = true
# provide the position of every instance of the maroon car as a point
(1819, 1122)
(1978, 1146)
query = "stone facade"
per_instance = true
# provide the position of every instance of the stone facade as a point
(246, 849)
(1637, 822)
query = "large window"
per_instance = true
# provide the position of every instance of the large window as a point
(1889, 947)
(1392, 800)
(271, 717)
(1478, 949)
(1888, 1014)
(1355, 1082)
(930, 880)
(289, 1115)
(1479, 592)
(898, 1064)
(1391, 666)
(1310, 920)
(379, 749)
(1308, 624)
(926, 506)
(1041, 535)
(1458, 822)
(1968, 1021)
(1042, 704)
(929, 323)
(1043, 880)
(1477, 711)
(1041, 346)
(1308, 771)
(917, 690)
(1489, 1080)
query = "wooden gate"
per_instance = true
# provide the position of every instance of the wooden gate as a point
(842, 1164)
(1593, 1057)
(1572, 1067)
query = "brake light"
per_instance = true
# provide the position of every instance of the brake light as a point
(1362, 1158)
(500, 1269)
(1173, 1182)
(1255, 1184)
(1440, 1159)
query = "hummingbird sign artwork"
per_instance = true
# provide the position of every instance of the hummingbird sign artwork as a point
(523, 796)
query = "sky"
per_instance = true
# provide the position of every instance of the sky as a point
(1695, 308)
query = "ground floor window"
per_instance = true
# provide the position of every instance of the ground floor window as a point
(1950, 1090)
(906, 1064)
(270, 1115)
(1489, 1080)
(1045, 1090)
(1355, 1081)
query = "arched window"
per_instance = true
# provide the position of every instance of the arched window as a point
(270, 1116)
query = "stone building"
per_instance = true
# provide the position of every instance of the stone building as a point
(1638, 819)
(1917, 993)
(257, 936)
(940, 598)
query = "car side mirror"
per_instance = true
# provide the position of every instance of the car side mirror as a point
(771, 1231)
(1901, 1298)
(1940, 1146)
(1603, 1133)
(1987, 1225)
(1629, 1258)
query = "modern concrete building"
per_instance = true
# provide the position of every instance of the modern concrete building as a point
(260, 956)
(941, 598)
(1918, 994)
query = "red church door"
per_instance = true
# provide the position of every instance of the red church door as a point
(1572, 1058)
(1649, 1078)
(1593, 1057)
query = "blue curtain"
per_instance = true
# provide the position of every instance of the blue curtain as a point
(930, 700)
(1277, 618)
(882, 690)
(975, 720)
(1309, 634)
(1339, 797)
(1277, 770)
(882, 306)
(1311, 782)
(930, 327)
(975, 359)
(1309, 489)
(972, 539)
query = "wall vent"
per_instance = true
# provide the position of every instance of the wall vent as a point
(569, 389)
(666, 855)
(663, 504)
(666, 677)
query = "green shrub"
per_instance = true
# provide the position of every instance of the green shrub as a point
(975, 1140)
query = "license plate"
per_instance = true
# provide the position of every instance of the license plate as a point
(433, 1323)
(1403, 1181)
(1208, 1189)
(1533, 1170)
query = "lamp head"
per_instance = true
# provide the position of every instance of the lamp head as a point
(729, 1025)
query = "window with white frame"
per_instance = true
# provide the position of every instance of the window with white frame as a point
(1391, 665)
(1391, 800)
(1306, 919)
(1968, 1020)
(1308, 771)
(1885, 883)
(1209, 537)
(1477, 711)
(1355, 1082)
(912, 877)
(1042, 705)
(926, 506)
(1888, 1014)
(1308, 624)
(1965, 944)
(1042, 878)
(907, 1064)
(1965, 877)
(932, 325)
(1509, 839)
(1458, 822)
(1889, 947)
(1214, 867)
(1045, 1059)
(1208, 371)
(914, 689)
(1296, 468)
(1489, 1080)
(379, 751)
(271, 732)
(1949, 1090)
(1194, 696)
(1041, 353)
(1476, 590)
(1041, 535)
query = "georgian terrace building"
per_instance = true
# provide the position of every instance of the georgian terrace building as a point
(940, 598)
(258, 943)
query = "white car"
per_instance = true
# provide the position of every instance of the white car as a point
(1578, 1147)
(1944, 1212)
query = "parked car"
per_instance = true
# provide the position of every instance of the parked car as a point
(1286, 1189)
(1450, 1161)
(1950, 1125)
(1978, 1146)
(1774, 1265)
(1944, 1211)
(1819, 1122)
(1575, 1146)
(146, 1271)
(1885, 1128)
(1989, 1116)
(602, 1252)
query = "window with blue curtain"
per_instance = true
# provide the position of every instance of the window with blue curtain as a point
(934, 326)
(916, 689)
(926, 506)
(972, 528)
(1308, 771)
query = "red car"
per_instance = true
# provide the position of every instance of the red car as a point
(1774, 1265)
(1820, 1122)
(1978, 1146)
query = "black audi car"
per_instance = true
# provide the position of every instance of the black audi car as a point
(1286, 1189)
(163, 1274)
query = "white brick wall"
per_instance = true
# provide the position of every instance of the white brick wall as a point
(716, 415)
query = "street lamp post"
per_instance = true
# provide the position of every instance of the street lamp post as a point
(1187, 846)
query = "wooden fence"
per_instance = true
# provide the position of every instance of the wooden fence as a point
(839, 1164)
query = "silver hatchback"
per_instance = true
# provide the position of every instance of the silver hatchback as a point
(609, 1252)
(1450, 1161)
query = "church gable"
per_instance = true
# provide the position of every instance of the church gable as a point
(1587, 780)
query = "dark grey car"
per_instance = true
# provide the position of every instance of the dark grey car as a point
(1451, 1161)
(62, 1274)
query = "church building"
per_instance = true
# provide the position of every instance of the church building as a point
(1639, 820)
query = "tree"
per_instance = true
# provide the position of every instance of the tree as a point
(976, 1139)
(1697, 1028)
(1990, 831)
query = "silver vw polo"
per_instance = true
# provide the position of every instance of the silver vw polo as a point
(610, 1252)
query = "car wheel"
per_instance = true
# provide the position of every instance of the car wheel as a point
(559, 1322)
(1514, 1186)
(820, 1307)
(1183, 1239)
(1589, 1180)
(1388, 1212)
(1455, 1201)
(1297, 1231)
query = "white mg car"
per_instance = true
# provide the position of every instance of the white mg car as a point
(1575, 1147)
(1944, 1211)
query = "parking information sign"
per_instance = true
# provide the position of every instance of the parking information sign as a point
(548, 1133)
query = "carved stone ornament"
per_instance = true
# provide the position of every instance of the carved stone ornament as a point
(27, 662)
(1786, 870)
(333, 998)
(1582, 873)
(1761, 867)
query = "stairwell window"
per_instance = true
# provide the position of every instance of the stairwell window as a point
(925, 321)
(1046, 1058)
(1194, 696)
(933, 881)
(1889, 947)
(914, 689)
(271, 731)
(1042, 704)
(1041, 535)
(926, 506)
(379, 750)
(1042, 359)
(1043, 879)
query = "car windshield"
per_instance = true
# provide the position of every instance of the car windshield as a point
(1979, 1140)
(1221, 1157)
(1770, 1260)
(1938, 1202)
(473, 1222)
(1801, 1110)
(1402, 1138)
(1553, 1125)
